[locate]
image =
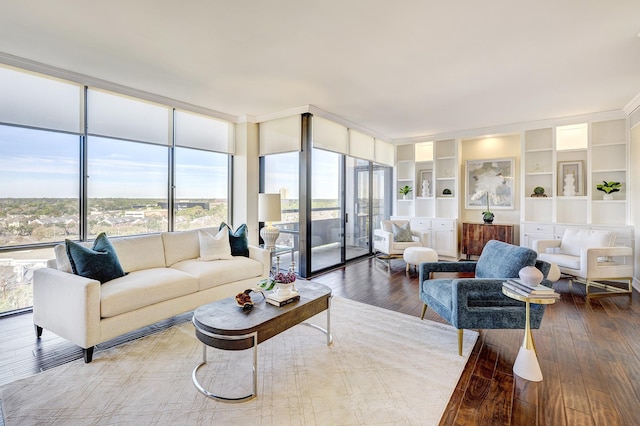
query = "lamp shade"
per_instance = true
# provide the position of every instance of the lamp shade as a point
(269, 207)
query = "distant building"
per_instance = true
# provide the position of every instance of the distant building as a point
(182, 205)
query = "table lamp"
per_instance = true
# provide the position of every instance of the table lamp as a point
(269, 211)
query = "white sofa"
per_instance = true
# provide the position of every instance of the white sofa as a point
(164, 278)
(590, 256)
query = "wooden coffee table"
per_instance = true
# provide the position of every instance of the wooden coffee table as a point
(224, 325)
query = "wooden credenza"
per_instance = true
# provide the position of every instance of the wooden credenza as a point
(476, 235)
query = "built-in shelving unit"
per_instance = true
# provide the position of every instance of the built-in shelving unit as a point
(430, 168)
(592, 152)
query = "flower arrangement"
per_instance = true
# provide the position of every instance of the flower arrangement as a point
(487, 215)
(285, 277)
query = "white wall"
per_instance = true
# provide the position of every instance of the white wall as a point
(246, 179)
(490, 148)
(634, 196)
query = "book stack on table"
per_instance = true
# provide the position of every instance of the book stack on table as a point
(280, 300)
(540, 291)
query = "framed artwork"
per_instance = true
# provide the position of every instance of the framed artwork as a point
(492, 181)
(568, 172)
(426, 189)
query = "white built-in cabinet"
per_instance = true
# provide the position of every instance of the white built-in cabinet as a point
(442, 234)
(430, 168)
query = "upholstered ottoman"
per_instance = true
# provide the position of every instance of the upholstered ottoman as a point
(416, 255)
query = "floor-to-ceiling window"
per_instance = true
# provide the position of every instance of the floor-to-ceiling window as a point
(141, 167)
(342, 196)
(327, 226)
(281, 176)
(127, 187)
(357, 203)
(202, 189)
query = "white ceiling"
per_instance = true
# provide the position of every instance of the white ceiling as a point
(401, 69)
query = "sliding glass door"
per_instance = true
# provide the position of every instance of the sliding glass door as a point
(357, 220)
(327, 224)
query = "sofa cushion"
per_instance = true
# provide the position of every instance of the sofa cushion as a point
(62, 258)
(238, 239)
(100, 262)
(562, 260)
(218, 272)
(502, 260)
(182, 245)
(214, 247)
(143, 288)
(402, 233)
(575, 239)
(140, 252)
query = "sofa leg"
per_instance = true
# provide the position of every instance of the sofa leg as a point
(424, 311)
(460, 334)
(88, 354)
(38, 330)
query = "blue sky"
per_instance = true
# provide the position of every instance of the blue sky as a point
(45, 164)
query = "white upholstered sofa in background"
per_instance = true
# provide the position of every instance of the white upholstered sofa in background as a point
(164, 277)
(592, 258)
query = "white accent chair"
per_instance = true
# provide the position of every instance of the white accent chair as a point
(590, 257)
(386, 248)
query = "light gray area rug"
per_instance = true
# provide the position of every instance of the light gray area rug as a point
(382, 368)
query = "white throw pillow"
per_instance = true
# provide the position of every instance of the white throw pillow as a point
(214, 247)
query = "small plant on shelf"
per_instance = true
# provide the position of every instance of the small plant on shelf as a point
(609, 187)
(405, 190)
(538, 191)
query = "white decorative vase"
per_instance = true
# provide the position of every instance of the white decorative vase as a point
(283, 289)
(531, 276)
(425, 188)
(569, 188)
(607, 197)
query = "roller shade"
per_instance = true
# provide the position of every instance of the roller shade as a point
(30, 99)
(361, 145)
(281, 135)
(202, 132)
(119, 116)
(329, 135)
(384, 153)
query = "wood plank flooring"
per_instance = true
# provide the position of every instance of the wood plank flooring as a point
(588, 353)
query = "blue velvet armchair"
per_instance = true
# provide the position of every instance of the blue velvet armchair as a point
(478, 303)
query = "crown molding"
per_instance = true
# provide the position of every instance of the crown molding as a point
(632, 105)
(515, 128)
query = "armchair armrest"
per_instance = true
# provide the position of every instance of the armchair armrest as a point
(382, 240)
(67, 305)
(590, 266)
(541, 246)
(421, 237)
(425, 269)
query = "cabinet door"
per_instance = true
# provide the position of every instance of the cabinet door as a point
(423, 225)
(444, 238)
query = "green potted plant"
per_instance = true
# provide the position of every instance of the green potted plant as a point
(608, 188)
(405, 190)
(538, 191)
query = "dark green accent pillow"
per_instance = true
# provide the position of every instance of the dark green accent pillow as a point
(238, 240)
(99, 262)
(402, 234)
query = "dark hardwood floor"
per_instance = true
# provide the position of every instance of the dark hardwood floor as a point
(588, 353)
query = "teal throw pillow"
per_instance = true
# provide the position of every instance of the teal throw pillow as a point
(402, 234)
(100, 262)
(238, 240)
